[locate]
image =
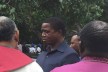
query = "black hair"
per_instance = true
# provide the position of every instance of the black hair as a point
(7, 28)
(94, 37)
(57, 24)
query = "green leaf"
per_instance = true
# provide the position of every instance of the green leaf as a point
(12, 10)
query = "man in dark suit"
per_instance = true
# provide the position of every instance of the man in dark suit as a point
(58, 52)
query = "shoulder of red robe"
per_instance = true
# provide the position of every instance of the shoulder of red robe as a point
(11, 59)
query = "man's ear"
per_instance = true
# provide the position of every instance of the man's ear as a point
(16, 36)
(15, 39)
(82, 49)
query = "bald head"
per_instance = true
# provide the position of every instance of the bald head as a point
(75, 40)
(94, 37)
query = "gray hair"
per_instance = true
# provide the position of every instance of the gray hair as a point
(7, 28)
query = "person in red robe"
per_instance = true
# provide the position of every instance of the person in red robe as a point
(12, 59)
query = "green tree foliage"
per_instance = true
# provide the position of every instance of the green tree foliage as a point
(29, 14)
(104, 16)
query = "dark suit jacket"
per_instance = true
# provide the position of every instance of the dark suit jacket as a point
(61, 56)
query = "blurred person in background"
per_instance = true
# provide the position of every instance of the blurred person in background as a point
(75, 42)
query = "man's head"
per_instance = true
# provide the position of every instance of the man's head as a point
(75, 41)
(8, 31)
(53, 29)
(94, 38)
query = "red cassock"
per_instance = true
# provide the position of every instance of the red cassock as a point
(11, 59)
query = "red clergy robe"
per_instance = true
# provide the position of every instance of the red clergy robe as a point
(12, 59)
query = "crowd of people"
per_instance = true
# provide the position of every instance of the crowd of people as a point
(29, 48)
(87, 52)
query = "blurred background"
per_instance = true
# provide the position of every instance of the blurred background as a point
(29, 15)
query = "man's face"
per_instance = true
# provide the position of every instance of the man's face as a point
(75, 42)
(49, 35)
